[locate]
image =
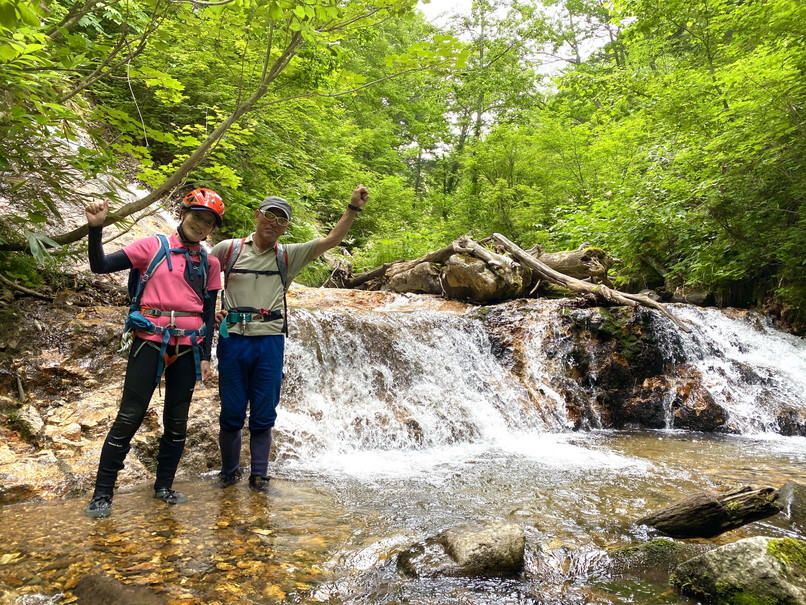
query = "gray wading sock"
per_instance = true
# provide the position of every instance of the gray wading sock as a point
(230, 444)
(259, 446)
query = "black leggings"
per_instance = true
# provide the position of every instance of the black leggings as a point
(139, 385)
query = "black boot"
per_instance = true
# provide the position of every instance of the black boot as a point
(260, 484)
(169, 496)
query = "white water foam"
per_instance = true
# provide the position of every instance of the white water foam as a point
(751, 369)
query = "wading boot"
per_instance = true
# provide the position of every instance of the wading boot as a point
(169, 496)
(100, 507)
(227, 480)
(261, 484)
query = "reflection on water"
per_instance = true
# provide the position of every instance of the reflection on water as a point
(332, 537)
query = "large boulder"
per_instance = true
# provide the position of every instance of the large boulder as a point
(491, 550)
(755, 570)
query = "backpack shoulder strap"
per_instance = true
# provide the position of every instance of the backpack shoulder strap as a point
(205, 268)
(281, 253)
(160, 255)
(234, 251)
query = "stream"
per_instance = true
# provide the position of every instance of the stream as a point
(397, 426)
(332, 537)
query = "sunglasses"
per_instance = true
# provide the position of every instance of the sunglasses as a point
(281, 220)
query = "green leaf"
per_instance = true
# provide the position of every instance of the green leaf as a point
(27, 14)
(39, 243)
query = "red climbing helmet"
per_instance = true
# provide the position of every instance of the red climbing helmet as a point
(205, 199)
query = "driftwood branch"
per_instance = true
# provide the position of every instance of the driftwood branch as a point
(15, 286)
(497, 263)
(705, 515)
(602, 292)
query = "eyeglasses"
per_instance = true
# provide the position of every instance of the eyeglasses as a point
(203, 217)
(280, 220)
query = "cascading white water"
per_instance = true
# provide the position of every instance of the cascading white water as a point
(751, 369)
(397, 383)
(375, 390)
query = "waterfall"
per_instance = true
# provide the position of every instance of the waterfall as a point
(757, 373)
(398, 382)
(369, 384)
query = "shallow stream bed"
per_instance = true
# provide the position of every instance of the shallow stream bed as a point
(332, 530)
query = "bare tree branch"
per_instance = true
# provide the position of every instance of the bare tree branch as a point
(309, 95)
(598, 290)
(195, 158)
(15, 286)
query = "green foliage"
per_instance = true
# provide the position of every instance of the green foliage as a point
(677, 145)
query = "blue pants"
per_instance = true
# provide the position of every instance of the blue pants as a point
(250, 372)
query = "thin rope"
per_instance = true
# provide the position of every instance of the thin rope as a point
(137, 106)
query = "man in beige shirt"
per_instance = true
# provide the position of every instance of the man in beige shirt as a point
(253, 326)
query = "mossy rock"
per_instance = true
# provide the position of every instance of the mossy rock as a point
(754, 571)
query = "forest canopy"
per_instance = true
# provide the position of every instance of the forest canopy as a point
(670, 133)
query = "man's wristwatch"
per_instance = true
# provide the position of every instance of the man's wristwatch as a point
(353, 208)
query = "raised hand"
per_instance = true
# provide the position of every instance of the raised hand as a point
(96, 213)
(360, 196)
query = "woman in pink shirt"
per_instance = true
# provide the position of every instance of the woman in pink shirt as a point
(173, 328)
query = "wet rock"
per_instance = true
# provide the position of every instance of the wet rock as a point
(792, 422)
(648, 405)
(622, 360)
(792, 500)
(693, 407)
(29, 415)
(496, 549)
(652, 560)
(95, 589)
(755, 570)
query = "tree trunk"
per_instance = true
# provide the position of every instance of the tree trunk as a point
(705, 516)
(388, 270)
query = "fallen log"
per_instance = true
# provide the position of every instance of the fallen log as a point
(391, 269)
(705, 515)
(585, 262)
(600, 291)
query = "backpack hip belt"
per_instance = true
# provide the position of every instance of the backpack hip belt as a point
(149, 312)
(244, 315)
(167, 332)
(228, 266)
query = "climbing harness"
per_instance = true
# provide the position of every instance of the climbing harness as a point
(244, 315)
(137, 319)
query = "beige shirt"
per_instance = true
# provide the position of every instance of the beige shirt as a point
(260, 291)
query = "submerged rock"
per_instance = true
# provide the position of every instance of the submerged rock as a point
(792, 500)
(759, 570)
(655, 558)
(96, 589)
(490, 550)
